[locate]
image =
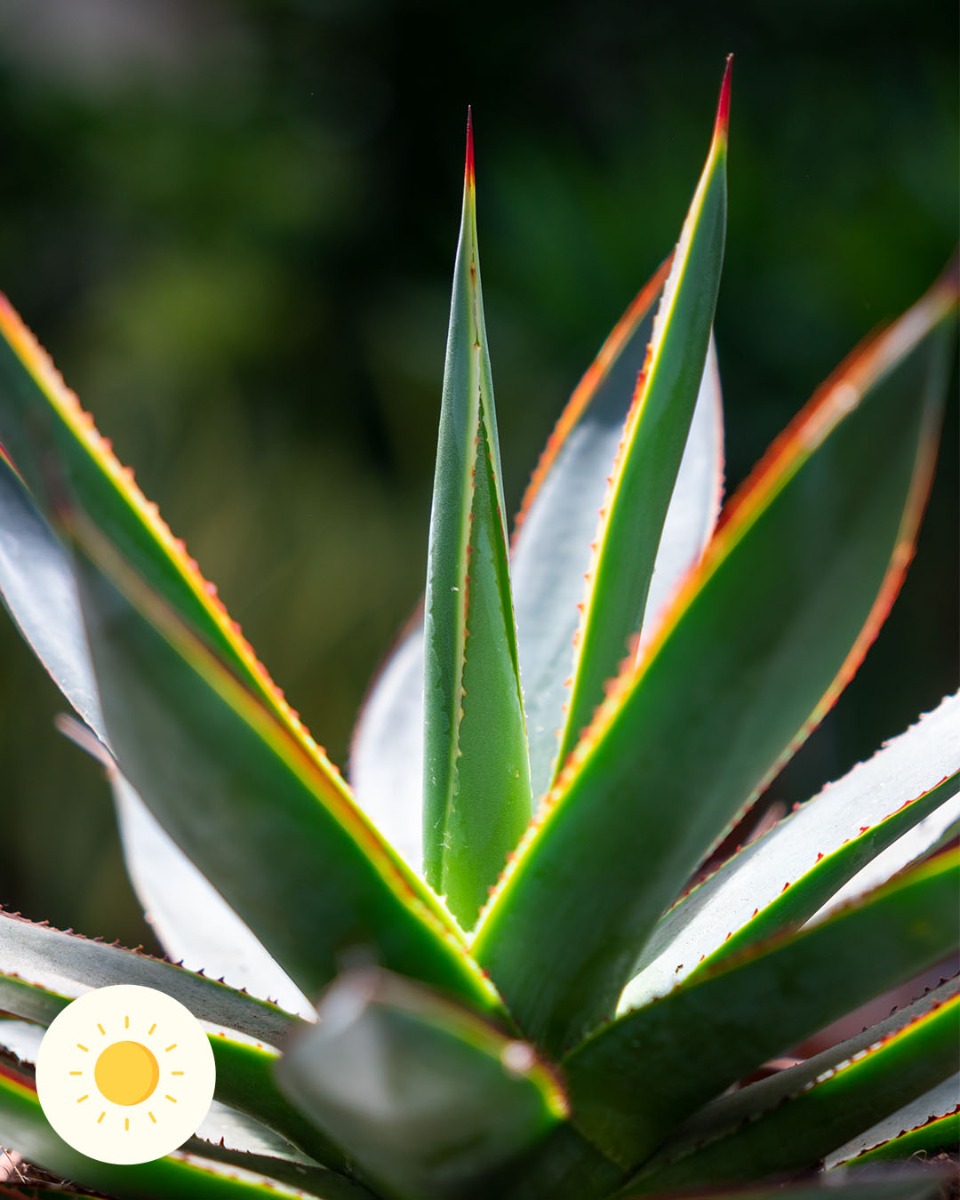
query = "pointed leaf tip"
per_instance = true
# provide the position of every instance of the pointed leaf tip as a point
(723, 105)
(468, 174)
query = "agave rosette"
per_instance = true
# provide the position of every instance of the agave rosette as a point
(570, 727)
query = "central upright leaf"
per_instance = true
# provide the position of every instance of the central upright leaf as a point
(477, 799)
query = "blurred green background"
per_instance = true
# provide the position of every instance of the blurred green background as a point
(233, 225)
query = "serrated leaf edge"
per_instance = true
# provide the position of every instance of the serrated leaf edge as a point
(41, 368)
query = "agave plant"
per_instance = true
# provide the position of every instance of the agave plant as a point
(566, 1003)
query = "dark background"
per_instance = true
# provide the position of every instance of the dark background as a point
(233, 225)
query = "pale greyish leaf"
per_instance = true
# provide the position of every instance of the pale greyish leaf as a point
(38, 589)
(922, 838)
(37, 585)
(234, 1130)
(695, 503)
(942, 1099)
(21, 1038)
(173, 891)
(65, 965)
(386, 755)
(908, 766)
(552, 550)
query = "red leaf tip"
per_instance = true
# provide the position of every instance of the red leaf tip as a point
(468, 164)
(723, 105)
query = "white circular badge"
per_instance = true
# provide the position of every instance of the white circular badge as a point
(125, 1074)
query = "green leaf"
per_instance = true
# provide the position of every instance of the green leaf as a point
(694, 503)
(23, 1127)
(553, 546)
(305, 1177)
(477, 798)
(808, 1111)
(550, 555)
(804, 898)
(69, 964)
(940, 1135)
(37, 586)
(747, 1103)
(635, 1080)
(787, 874)
(757, 644)
(427, 1096)
(648, 460)
(906, 1184)
(42, 427)
(923, 1124)
(557, 524)
(283, 845)
(249, 1112)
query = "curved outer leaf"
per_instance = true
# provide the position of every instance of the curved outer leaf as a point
(69, 964)
(785, 875)
(186, 1175)
(306, 1177)
(244, 1071)
(40, 417)
(288, 850)
(805, 1126)
(37, 585)
(924, 1124)
(657, 427)
(476, 780)
(801, 899)
(249, 1112)
(747, 1103)
(635, 1080)
(757, 645)
(426, 1096)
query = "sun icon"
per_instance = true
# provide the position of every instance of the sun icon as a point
(125, 1074)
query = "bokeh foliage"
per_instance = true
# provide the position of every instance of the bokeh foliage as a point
(233, 226)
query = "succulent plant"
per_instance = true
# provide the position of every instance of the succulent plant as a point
(584, 993)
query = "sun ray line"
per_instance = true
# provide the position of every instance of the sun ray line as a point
(85, 1096)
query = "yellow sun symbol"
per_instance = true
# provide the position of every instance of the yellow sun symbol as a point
(125, 1074)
